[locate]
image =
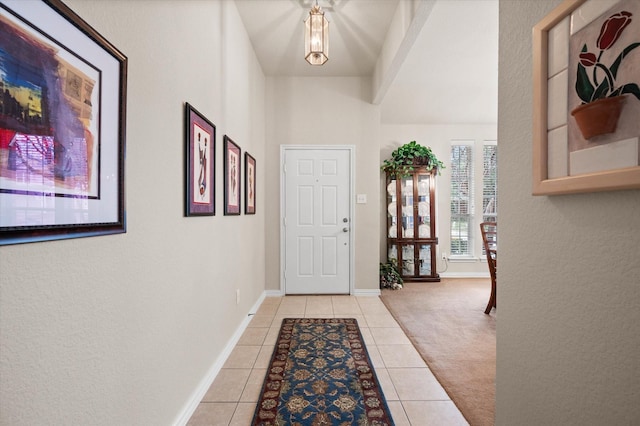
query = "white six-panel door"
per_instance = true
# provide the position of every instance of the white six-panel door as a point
(317, 222)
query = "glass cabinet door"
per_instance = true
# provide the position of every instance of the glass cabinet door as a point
(408, 264)
(408, 224)
(424, 206)
(392, 210)
(425, 259)
(392, 252)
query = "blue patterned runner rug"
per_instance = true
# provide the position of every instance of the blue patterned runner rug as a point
(320, 374)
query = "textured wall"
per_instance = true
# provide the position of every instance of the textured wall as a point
(122, 329)
(569, 292)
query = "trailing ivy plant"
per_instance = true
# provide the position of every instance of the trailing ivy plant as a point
(410, 155)
(390, 276)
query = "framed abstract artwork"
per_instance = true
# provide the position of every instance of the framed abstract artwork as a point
(249, 184)
(232, 175)
(200, 137)
(62, 126)
(586, 132)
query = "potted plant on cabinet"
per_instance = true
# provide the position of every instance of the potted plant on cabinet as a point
(410, 155)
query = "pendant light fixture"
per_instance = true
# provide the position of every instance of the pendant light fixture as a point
(316, 37)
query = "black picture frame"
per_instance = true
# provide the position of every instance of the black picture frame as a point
(200, 143)
(232, 174)
(249, 184)
(62, 153)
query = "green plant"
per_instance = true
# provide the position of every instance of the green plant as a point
(405, 158)
(390, 276)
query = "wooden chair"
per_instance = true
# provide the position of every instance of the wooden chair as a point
(489, 232)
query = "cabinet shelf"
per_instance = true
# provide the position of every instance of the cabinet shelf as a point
(411, 227)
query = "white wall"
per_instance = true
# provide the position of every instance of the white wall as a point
(438, 137)
(569, 287)
(326, 111)
(122, 329)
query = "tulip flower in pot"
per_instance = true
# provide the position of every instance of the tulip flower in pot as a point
(602, 97)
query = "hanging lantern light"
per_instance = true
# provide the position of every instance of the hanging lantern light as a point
(316, 37)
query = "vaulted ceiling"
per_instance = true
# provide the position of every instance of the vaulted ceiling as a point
(448, 75)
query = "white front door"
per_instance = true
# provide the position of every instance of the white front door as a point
(317, 220)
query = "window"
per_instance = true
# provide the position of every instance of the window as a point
(474, 173)
(461, 198)
(490, 182)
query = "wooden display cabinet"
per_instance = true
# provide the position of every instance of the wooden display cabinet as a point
(411, 225)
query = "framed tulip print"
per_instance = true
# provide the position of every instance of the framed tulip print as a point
(249, 184)
(62, 126)
(586, 132)
(200, 137)
(232, 175)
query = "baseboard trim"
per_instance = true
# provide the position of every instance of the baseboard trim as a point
(367, 292)
(464, 275)
(192, 404)
(356, 292)
(274, 293)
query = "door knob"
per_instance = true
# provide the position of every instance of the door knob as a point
(345, 229)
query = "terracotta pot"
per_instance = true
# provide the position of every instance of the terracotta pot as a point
(599, 117)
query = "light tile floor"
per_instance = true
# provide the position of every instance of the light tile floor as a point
(413, 394)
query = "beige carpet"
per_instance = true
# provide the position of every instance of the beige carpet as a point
(447, 324)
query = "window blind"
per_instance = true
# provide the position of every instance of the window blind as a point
(461, 198)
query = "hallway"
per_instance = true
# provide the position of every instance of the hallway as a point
(413, 394)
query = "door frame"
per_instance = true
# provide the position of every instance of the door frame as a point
(352, 221)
